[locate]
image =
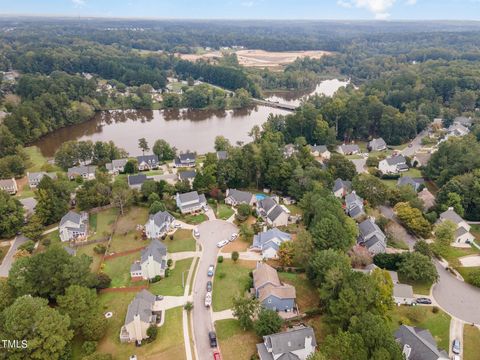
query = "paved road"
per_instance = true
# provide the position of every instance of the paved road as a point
(400, 231)
(456, 297)
(211, 232)
(8, 259)
(416, 144)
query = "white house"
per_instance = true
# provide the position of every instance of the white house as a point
(73, 226)
(320, 151)
(348, 149)
(377, 145)
(295, 344)
(268, 242)
(462, 234)
(159, 224)
(190, 202)
(272, 213)
(86, 172)
(185, 160)
(153, 262)
(236, 197)
(34, 178)
(393, 165)
(147, 162)
(9, 186)
(354, 205)
(116, 166)
(341, 188)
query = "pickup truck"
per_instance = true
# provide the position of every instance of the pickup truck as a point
(208, 299)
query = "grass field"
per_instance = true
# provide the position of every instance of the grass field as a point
(96, 258)
(235, 343)
(119, 269)
(471, 340)
(418, 287)
(234, 282)
(451, 254)
(101, 224)
(224, 211)
(35, 159)
(172, 285)
(466, 271)
(307, 295)
(126, 236)
(182, 241)
(195, 219)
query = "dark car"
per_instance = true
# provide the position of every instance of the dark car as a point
(209, 286)
(213, 339)
(425, 301)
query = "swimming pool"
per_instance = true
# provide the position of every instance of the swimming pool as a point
(260, 196)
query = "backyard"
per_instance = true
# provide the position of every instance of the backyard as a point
(307, 295)
(101, 223)
(224, 211)
(235, 343)
(126, 236)
(88, 250)
(119, 270)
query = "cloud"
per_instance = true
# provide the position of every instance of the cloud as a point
(411, 2)
(379, 8)
(78, 3)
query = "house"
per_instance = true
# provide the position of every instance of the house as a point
(418, 344)
(236, 197)
(295, 344)
(403, 294)
(185, 160)
(142, 312)
(136, 181)
(222, 155)
(354, 205)
(87, 172)
(393, 165)
(271, 293)
(188, 175)
(462, 234)
(427, 197)
(341, 188)
(289, 150)
(9, 186)
(271, 212)
(190, 202)
(159, 224)
(348, 149)
(73, 226)
(463, 120)
(147, 162)
(116, 166)
(415, 183)
(268, 242)
(377, 145)
(371, 237)
(34, 178)
(457, 130)
(320, 151)
(152, 263)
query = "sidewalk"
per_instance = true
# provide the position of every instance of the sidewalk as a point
(222, 315)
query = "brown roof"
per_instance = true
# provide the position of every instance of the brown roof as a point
(282, 292)
(427, 197)
(265, 274)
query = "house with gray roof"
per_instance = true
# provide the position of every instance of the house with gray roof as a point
(371, 236)
(354, 205)
(34, 178)
(294, 344)
(116, 167)
(188, 175)
(415, 183)
(348, 149)
(142, 312)
(147, 162)
(341, 187)
(320, 151)
(403, 294)
(153, 262)
(377, 145)
(393, 165)
(159, 224)
(73, 226)
(271, 212)
(462, 233)
(190, 202)
(457, 130)
(268, 242)
(9, 186)
(87, 172)
(185, 160)
(222, 155)
(136, 181)
(463, 120)
(269, 290)
(236, 197)
(418, 344)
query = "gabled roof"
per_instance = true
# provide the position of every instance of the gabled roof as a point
(156, 250)
(265, 238)
(189, 196)
(403, 291)
(285, 291)
(289, 341)
(319, 148)
(266, 204)
(368, 227)
(374, 240)
(451, 215)
(275, 213)
(460, 231)
(161, 218)
(38, 176)
(142, 306)
(71, 216)
(7, 183)
(147, 158)
(187, 156)
(396, 160)
(240, 196)
(342, 184)
(82, 170)
(349, 148)
(377, 144)
(421, 342)
(186, 175)
(353, 199)
(265, 274)
(137, 179)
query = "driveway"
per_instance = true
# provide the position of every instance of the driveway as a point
(398, 228)
(211, 232)
(8, 259)
(456, 297)
(456, 332)
(470, 260)
(416, 144)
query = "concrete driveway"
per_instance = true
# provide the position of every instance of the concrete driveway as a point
(456, 332)
(211, 232)
(470, 260)
(8, 259)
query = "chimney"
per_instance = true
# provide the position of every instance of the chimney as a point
(450, 208)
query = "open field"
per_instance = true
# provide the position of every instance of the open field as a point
(235, 343)
(101, 223)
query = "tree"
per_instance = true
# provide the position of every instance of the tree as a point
(444, 233)
(143, 145)
(130, 167)
(95, 193)
(156, 207)
(423, 248)
(11, 215)
(243, 212)
(413, 219)
(53, 199)
(163, 150)
(98, 356)
(388, 261)
(304, 247)
(286, 253)
(244, 310)
(371, 189)
(102, 281)
(121, 195)
(221, 143)
(89, 347)
(235, 256)
(7, 295)
(28, 246)
(417, 267)
(152, 332)
(473, 278)
(268, 322)
(45, 328)
(340, 167)
(34, 228)
(344, 345)
(323, 262)
(384, 284)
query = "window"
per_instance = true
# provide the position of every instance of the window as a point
(269, 301)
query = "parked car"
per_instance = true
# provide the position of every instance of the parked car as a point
(196, 233)
(233, 237)
(210, 270)
(213, 339)
(209, 286)
(208, 299)
(425, 301)
(222, 243)
(216, 356)
(456, 346)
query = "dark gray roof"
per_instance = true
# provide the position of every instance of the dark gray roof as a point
(264, 239)
(346, 148)
(82, 170)
(266, 204)
(71, 216)
(402, 167)
(240, 196)
(423, 345)
(403, 291)
(353, 199)
(319, 148)
(155, 249)
(461, 231)
(451, 215)
(222, 155)
(161, 218)
(356, 211)
(187, 156)
(135, 266)
(293, 340)
(275, 212)
(368, 227)
(38, 176)
(185, 175)
(396, 160)
(141, 305)
(189, 196)
(7, 182)
(339, 184)
(137, 179)
(377, 144)
(374, 240)
(147, 158)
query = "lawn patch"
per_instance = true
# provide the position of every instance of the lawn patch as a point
(101, 223)
(420, 288)
(172, 285)
(119, 269)
(182, 241)
(195, 219)
(88, 250)
(466, 271)
(224, 212)
(3, 252)
(126, 237)
(452, 254)
(235, 343)
(471, 339)
(307, 295)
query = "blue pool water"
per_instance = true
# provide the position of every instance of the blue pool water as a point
(260, 196)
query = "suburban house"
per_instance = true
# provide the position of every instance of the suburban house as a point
(377, 145)
(354, 205)
(87, 172)
(272, 213)
(320, 151)
(341, 188)
(147, 162)
(141, 314)
(421, 159)
(289, 150)
(153, 262)
(371, 237)
(185, 160)
(136, 181)
(73, 226)
(415, 183)
(270, 292)
(188, 175)
(9, 186)
(159, 224)
(295, 344)
(34, 178)
(236, 197)
(403, 294)
(116, 166)
(393, 165)
(418, 344)
(427, 197)
(222, 155)
(190, 202)
(348, 149)
(268, 242)
(462, 234)
(457, 130)
(463, 120)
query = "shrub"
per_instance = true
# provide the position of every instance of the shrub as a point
(171, 236)
(152, 332)
(103, 281)
(268, 322)
(222, 275)
(46, 242)
(167, 272)
(435, 309)
(100, 249)
(89, 347)
(387, 261)
(28, 246)
(220, 259)
(169, 262)
(158, 277)
(235, 256)
(188, 306)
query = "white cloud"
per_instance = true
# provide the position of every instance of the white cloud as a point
(379, 8)
(78, 3)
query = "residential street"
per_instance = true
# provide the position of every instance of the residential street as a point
(416, 144)
(8, 259)
(211, 232)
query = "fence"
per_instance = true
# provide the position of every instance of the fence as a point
(125, 289)
(88, 242)
(123, 253)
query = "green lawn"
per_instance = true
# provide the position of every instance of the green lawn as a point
(172, 285)
(475, 230)
(307, 295)
(153, 172)
(195, 219)
(182, 241)
(224, 211)
(451, 254)
(96, 258)
(423, 317)
(391, 183)
(294, 209)
(412, 172)
(101, 224)
(119, 269)
(420, 288)
(466, 271)
(234, 282)
(471, 340)
(235, 343)
(126, 237)
(35, 159)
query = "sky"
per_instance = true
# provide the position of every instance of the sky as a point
(251, 9)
